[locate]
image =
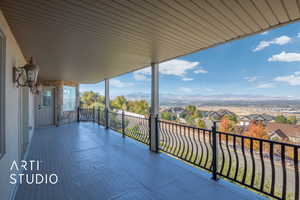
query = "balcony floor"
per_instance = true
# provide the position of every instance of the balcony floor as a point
(94, 163)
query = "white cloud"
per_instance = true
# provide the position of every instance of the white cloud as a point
(282, 40)
(176, 67)
(141, 75)
(262, 45)
(119, 84)
(266, 85)
(200, 71)
(298, 35)
(265, 33)
(185, 90)
(293, 79)
(187, 79)
(252, 78)
(285, 57)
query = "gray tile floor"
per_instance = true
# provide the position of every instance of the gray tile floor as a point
(94, 163)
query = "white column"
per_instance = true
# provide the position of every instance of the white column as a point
(106, 101)
(154, 138)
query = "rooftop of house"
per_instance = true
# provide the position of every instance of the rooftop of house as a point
(280, 134)
(217, 114)
(257, 117)
(288, 129)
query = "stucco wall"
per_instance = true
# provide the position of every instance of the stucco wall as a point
(14, 57)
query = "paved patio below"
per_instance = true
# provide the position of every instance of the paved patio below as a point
(94, 163)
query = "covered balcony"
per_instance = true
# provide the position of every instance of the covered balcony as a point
(109, 154)
(96, 163)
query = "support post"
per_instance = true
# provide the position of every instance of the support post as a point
(99, 115)
(215, 152)
(154, 130)
(78, 114)
(123, 123)
(106, 103)
(93, 113)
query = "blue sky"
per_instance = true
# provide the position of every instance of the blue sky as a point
(264, 64)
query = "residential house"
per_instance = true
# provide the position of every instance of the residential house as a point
(282, 131)
(217, 115)
(247, 119)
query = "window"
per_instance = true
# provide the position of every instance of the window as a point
(2, 94)
(46, 98)
(69, 98)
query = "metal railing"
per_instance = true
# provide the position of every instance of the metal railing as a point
(131, 126)
(115, 121)
(86, 114)
(266, 166)
(269, 167)
(137, 128)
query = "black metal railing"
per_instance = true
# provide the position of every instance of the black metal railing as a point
(137, 128)
(86, 114)
(131, 126)
(269, 167)
(266, 166)
(91, 115)
(115, 121)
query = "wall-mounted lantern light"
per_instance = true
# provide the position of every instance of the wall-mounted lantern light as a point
(26, 76)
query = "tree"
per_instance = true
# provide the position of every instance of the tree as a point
(166, 115)
(292, 120)
(281, 119)
(190, 114)
(88, 99)
(227, 125)
(183, 114)
(119, 103)
(200, 123)
(233, 118)
(256, 130)
(138, 106)
(191, 109)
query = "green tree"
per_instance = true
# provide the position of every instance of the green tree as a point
(191, 109)
(190, 114)
(233, 118)
(138, 106)
(183, 114)
(200, 123)
(292, 120)
(88, 99)
(119, 103)
(101, 99)
(166, 116)
(281, 119)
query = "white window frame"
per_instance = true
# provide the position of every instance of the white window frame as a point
(69, 110)
(2, 94)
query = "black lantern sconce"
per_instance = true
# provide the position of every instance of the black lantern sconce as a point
(26, 76)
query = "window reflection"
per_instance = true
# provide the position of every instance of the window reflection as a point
(69, 98)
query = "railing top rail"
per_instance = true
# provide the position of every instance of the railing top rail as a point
(96, 108)
(126, 115)
(259, 139)
(231, 134)
(145, 118)
(183, 125)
